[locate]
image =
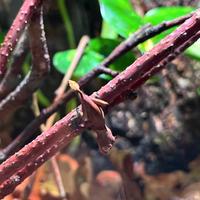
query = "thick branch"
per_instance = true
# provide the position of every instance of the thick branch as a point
(11, 39)
(22, 164)
(40, 67)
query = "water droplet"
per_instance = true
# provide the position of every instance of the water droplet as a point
(48, 151)
(31, 4)
(46, 56)
(2, 155)
(29, 164)
(185, 33)
(13, 98)
(16, 178)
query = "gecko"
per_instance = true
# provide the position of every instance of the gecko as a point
(93, 116)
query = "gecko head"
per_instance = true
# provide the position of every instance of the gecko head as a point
(74, 85)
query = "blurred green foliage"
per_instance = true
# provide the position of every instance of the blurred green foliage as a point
(120, 19)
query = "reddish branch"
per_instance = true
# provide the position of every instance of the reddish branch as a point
(40, 67)
(13, 74)
(15, 169)
(135, 39)
(11, 39)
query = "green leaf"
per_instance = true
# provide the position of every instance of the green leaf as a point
(194, 51)
(107, 31)
(1, 37)
(153, 80)
(90, 59)
(159, 15)
(120, 16)
(105, 47)
(198, 91)
(96, 51)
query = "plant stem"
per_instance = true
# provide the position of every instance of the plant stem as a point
(67, 23)
(79, 53)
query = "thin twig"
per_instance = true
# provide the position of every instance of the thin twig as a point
(138, 6)
(104, 70)
(142, 6)
(58, 178)
(79, 52)
(29, 186)
(36, 109)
